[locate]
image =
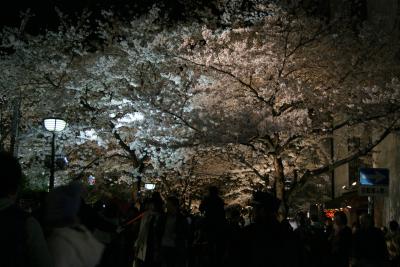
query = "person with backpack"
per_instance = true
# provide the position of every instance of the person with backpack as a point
(22, 239)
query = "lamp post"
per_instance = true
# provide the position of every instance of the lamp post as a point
(53, 125)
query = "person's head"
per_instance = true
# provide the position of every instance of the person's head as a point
(62, 205)
(265, 206)
(340, 219)
(393, 226)
(172, 204)
(286, 225)
(157, 202)
(10, 175)
(384, 230)
(327, 221)
(301, 218)
(355, 227)
(146, 205)
(314, 218)
(233, 215)
(213, 191)
(366, 221)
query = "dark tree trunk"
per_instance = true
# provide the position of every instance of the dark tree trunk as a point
(14, 127)
(279, 178)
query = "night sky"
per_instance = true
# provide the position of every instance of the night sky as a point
(45, 14)
(46, 17)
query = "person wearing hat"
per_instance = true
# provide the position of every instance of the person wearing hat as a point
(70, 243)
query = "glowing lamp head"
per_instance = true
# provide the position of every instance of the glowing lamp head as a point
(54, 124)
(149, 186)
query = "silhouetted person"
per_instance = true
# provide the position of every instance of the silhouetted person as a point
(264, 242)
(234, 220)
(340, 241)
(107, 222)
(212, 206)
(393, 243)
(369, 247)
(313, 245)
(70, 242)
(393, 227)
(22, 240)
(148, 242)
(175, 235)
(212, 232)
(328, 227)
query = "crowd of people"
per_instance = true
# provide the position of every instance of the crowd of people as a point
(66, 231)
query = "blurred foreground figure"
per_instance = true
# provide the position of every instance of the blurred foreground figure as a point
(22, 240)
(148, 243)
(174, 240)
(369, 247)
(265, 242)
(393, 243)
(70, 243)
(210, 237)
(340, 241)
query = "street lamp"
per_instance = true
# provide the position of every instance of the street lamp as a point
(149, 186)
(53, 125)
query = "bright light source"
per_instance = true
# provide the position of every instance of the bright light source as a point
(91, 180)
(149, 186)
(344, 187)
(349, 207)
(354, 183)
(54, 124)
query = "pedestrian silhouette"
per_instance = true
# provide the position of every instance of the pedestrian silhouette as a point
(22, 239)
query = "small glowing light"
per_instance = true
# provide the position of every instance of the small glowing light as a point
(349, 207)
(91, 180)
(354, 183)
(344, 187)
(54, 124)
(149, 186)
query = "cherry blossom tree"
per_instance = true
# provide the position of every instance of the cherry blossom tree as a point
(261, 92)
(284, 85)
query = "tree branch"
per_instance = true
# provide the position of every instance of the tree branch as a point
(125, 146)
(340, 162)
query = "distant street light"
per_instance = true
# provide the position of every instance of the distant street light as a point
(53, 125)
(149, 186)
